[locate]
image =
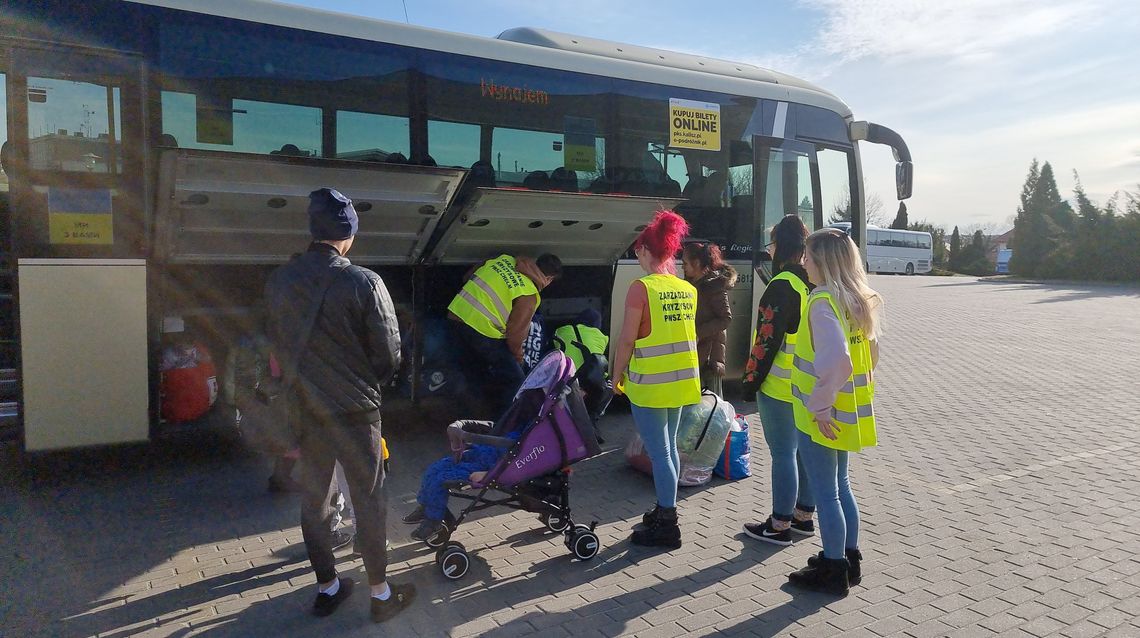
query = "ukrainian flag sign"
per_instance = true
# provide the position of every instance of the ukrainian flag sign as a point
(79, 216)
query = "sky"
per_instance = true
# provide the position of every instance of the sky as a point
(978, 88)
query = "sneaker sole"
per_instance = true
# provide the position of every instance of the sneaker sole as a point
(767, 539)
(802, 532)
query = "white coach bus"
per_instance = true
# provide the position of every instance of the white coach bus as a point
(159, 153)
(896, 251)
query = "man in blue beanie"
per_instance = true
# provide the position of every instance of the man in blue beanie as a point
(333, 327)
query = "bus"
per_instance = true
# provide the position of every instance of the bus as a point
(896, 251)
(158, 155)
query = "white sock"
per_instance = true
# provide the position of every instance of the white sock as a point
(331, 591)
(386, 595)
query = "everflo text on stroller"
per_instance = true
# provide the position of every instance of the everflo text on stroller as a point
(533, 456)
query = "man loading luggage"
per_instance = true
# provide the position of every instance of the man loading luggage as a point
(585, 344)
(493, 312)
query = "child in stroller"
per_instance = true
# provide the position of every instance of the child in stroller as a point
(525, 456)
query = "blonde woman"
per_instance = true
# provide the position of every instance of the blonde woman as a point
(833, 388)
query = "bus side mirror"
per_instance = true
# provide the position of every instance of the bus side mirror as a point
(904, 179)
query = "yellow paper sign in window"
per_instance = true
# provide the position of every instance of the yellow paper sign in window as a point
(694, 125)
(79, 216)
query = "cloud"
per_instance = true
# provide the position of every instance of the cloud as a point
(964, 31)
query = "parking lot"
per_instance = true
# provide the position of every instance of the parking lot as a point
(1002, 501)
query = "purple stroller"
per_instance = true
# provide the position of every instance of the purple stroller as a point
(534, 472)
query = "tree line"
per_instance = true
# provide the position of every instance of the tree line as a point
(1052, 241)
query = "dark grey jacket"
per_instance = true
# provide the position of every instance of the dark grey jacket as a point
(355, 344)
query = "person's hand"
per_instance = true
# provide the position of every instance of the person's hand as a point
(618, 389)
(829, 428)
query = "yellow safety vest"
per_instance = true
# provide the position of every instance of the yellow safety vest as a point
(485, 301)
(595, 341)
(852, 409)
(663, 369)
(778, 383)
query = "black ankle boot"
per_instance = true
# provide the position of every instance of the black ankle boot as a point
(650, 517)
(662, 530)
(828, 576)
(854, 569)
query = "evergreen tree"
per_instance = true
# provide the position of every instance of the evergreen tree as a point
(1033, 232)
(1049, 199)
(955, 249)
(1090, 259)
(900, 222)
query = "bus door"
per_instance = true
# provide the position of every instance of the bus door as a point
(74, 166)
(785, 177)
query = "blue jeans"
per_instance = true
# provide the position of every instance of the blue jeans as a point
(838, 513)
(658, 429)
(790, 485)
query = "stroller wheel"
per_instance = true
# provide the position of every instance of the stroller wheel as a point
(441, 537)
(442, 551)
(454, 562)
(555, 522)
(584, 544)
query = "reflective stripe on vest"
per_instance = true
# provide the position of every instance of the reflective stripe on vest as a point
(484, 303)
(665, 349)
(663, 370)
(662, 377)
(778, 382)
(852, 410)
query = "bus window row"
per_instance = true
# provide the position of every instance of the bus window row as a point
(897, 239)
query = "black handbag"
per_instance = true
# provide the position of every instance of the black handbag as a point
(265, 417)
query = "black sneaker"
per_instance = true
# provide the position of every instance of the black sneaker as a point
(402, 596)
(325, 604)
(416, 517)
(804, 528)
(765, 532)
(340, 538)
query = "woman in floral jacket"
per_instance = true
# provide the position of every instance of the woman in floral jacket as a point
(777, 316)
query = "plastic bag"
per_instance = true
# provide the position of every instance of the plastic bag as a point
(704, 426)
(189, 383)
(735, 461)
(636, 455)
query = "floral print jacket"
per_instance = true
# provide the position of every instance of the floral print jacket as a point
(777, 314)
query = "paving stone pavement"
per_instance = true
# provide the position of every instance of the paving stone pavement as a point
(1001, 501)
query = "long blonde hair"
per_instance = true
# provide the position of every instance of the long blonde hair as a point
(837, 259)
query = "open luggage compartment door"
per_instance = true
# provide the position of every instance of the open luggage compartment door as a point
(582, 229)
(253, 209)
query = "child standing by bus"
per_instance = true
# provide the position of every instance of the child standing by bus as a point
(833, 388)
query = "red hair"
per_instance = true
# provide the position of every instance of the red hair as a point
(663, 236)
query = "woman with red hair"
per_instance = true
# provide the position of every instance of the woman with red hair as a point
(655, 366)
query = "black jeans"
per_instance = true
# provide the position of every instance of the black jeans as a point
(489, 363)
(354, 440)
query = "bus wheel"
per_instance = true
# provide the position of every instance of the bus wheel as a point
(910, 269)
